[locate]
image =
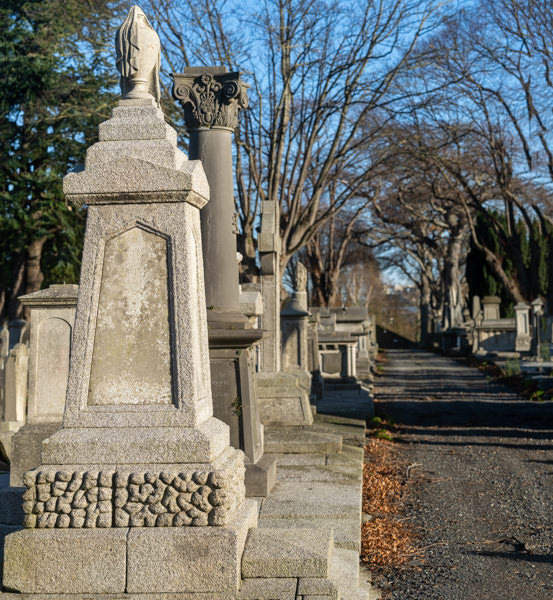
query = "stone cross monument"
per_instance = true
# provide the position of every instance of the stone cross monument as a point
(211, 98)
(140, 491)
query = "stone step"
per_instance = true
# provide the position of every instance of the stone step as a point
(295, 440)
(320, 499)
(275, 553)
(347, 532)
(344, 573)
(343, 473)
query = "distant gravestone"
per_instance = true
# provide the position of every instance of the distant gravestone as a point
(491, 308)
(52, 316)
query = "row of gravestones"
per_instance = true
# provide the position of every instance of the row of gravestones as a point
(35, 373)
(143, 489)
(485, 332)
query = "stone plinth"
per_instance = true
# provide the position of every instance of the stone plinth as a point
(52, 316)
(139, 446)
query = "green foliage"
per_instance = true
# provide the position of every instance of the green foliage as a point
(537, 396)
(511, 367)
(533, 273)
(55, 91)
(382, 434)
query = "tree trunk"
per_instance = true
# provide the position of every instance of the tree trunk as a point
(425, 306)
(15, 309)
(33, 273)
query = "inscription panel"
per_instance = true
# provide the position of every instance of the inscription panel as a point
(131, 359)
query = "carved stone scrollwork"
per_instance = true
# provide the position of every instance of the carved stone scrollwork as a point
(210, 100)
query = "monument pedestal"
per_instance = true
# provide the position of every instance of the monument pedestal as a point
(52, 319)
(283, 400)
(231, 348)
(139, 492)
(136, 560)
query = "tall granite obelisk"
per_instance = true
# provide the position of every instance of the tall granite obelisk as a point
(211, 98)
(140, 491)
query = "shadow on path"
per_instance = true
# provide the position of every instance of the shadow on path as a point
(483, 459)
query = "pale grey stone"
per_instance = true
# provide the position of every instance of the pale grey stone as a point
(261, 476)
(51, 326)
(344, 571)
(287, 553)
(337, 474)
(300, 441)
(131, 361)
(268, 588)
(189, 559)
(291, 500)
(299, 459)
(138, 57)
(190, 364)
(16, 371)
(66, 561)
(283, 400)
(138, 445)
(346, 528)
(135, 495)
(269, 248)
(350, 455)
(251, 303)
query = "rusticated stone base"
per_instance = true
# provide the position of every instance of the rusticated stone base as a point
(173, 496)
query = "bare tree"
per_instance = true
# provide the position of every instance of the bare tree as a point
(320, 72)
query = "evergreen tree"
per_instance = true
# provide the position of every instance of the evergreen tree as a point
(56, 61)
(534, 248)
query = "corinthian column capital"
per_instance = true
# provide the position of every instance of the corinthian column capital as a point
(210, 97)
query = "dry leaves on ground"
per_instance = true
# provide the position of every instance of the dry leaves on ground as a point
(385, 540)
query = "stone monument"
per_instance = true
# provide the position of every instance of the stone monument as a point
(283, 400)
(211, 98)
(523, 341)
(140, 491)
(16, 368)
(52, 316)
(293, 326)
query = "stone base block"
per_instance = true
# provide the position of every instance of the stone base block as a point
(27, 447)
(261, 476)
(11, 426)
(205, 559)
(136, 445)
(288, 553)
(298, 441)
(61, 561)
(282, 400)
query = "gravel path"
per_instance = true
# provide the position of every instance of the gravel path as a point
(483, 461)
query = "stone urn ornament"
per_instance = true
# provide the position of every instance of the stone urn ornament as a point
(138, 57)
